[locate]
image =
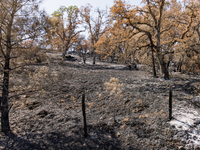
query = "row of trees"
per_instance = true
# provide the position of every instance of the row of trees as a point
(163, 27)
(159, 30)
(67, 23)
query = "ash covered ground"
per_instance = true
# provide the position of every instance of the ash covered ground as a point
(48, 114)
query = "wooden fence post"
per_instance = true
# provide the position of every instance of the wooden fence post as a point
(84, 115)
(170, 103)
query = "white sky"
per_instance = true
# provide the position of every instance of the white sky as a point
(52, 5)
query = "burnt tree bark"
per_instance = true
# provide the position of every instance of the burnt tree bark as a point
(94, 58)
(153, 63)
(163, 66)
(5, 127)
(84, 58)
(158, 35)
(9, 39)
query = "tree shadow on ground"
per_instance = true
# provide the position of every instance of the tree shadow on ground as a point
(154, 88)
(189, 88)
(11, 141)
(101, 137)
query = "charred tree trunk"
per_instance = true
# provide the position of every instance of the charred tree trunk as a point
(153, 63)
(179, 65)
(5, 127)
(84, 58)
(112, 59)
(163, 67)
(94, 58)
(63, 39)
(158, 48)
(65, 49)
(168, 63)
(161, 57)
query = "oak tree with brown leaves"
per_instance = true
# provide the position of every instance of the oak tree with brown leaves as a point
(163, 24)
(95, 25)
(64, 30)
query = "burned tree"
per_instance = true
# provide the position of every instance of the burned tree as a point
(19, 22)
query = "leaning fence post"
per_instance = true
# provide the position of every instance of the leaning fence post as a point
(84, 115)
(170, 103)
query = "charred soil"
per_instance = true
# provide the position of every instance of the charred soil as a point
(47, 110)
